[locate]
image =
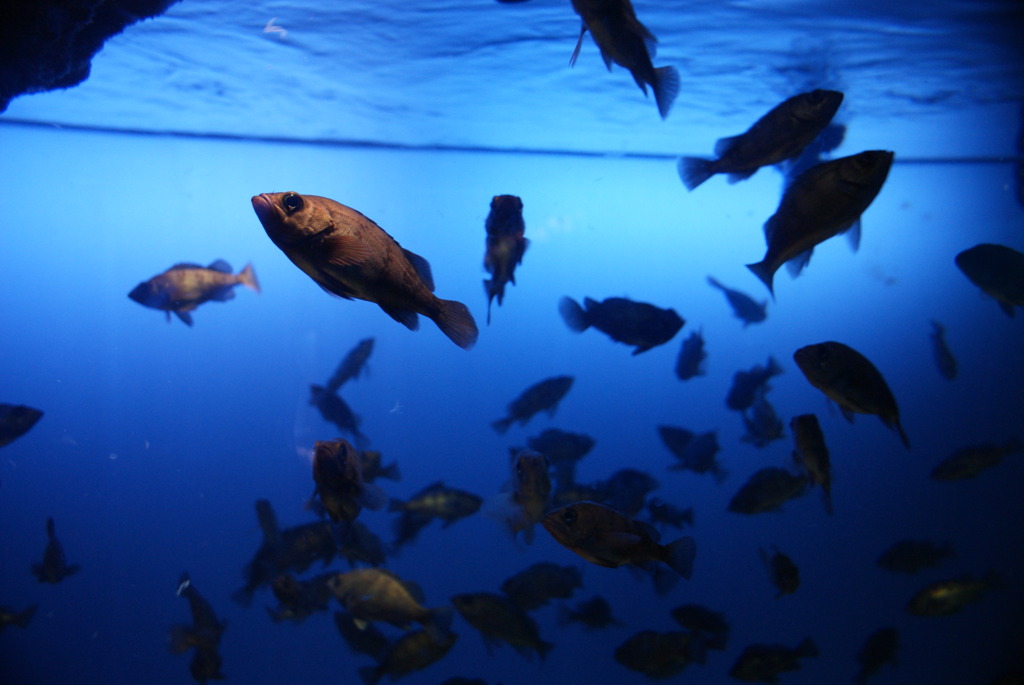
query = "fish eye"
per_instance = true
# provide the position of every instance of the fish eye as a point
(292, 202)
(569, 516)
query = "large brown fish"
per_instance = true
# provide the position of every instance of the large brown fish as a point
(822, 202)
(851, 381)
(350, 256)
(998, 270)
(184, 287)
(505, 246)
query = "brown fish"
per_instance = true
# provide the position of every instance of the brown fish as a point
(811, 454)
(339, 481)
(350, 256)
(851, 381)
(505, 246)
(184, 287)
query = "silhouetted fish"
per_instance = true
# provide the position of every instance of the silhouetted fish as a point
(541, 396)
(743, 306)
(15, 421)
(622, 320)
(505, 246)
(54, 567)
(353, 364)
(691, 358)
(945, 362)
(998, 270)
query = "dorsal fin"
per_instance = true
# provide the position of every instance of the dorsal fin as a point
(422, 267)
(221, 266)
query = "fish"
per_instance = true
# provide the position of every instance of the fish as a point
(746, 308)
(879, 649)
(505, 246)
(439, 501)
(372, 466)
(767, 490)
(784, 574)
(16, 420)
(539, 583)
(968, 462)
(299, 599)
(711, 625)
(945, 597)
(13, 617)
(622, 39)
(764, 663)
(998, 270)
(608, 538)
(360, 545)
(661, 512)
(625, 321)
(690, 362)
(54, 568)
(498, 619)
(351, 366)
(185, 286)
(626, 491)
(912, 556)
(824, 201)
(335, 410)
(203, 635)
(376, 594)
(660, 654)
(945, 362)
(350, 256)
(747, 385)
(527, 501)
(779, 135)
(695, 452)
(542, 396)
(563, 450)
(847, 378)
(594, 614)
(362, 638)
(339, 481)
(762, 423)
(811, 454)
(412, 652)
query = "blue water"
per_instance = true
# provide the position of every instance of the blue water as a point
(157, 438)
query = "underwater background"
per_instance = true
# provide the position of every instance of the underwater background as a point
(157, 438)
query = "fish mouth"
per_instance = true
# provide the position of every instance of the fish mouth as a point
(263, 206)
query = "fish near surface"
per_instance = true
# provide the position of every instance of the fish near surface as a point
(350, 256)
(743, 306)
(54, 567)
(184, 287)
(15, 421)
(625, 321)
(505, 246)
(608, 538)
(998, 270)
(339, 481)
(623, 40)
(851, 381)
(811, 454)
(541, 396)
(945, 362)
(822, 202)
(781, 134)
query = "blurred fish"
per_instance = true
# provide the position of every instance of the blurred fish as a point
(622, 320)
(351, 366)
(764, 663)
(439, 501)
(779, 135)
(362, 546)
(505, 246)
(13, 617)
(538, 584)
(811, 454)
(910, 556)
(412, 652)
(660, 654)
(784, 574)
(299, 599)
(822, 202)
(608, 538)
(747, 385)
(203, 635)
(578, 492)
(743, 305)
(879, 649)
(500, 620)
(710, 624)
(999, 272)
(339, 481)
(691, 358)
(362, 638)
(762, 423)
(695, 452)
(767, 490)
(372, 467)
(563, 450)
(945, 362)
(54, 567)
(826, 141)
(350, 256)
(626, 491)
(376, 594)
(527, 500)
(335, 410)
(945, 597)
(184, 287)
(624, 40)
(15, 421)
(594, 614)
(661, 512)
(544, 395)
(851, 381)
(968, 462)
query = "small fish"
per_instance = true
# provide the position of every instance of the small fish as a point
(779, 135)
(945, 597)
(350, 256)
(12, 617)
(998, 270)
(847, 378)
(945, 362)
(527, 500)
(695, 452)
(764, 663)
(339, 481)
(767, 490)
(623, 40)
(351, 366)
(203, 635)
(500, 620)
(184, 287)
(15, 421)
(690, 362)
(748, 385)
(762, 423)
(968, 462)
(911, 556)
(374, 594)
(660, 654)
(335, 410)
(594, 614)
(743, 306)
(538, 584)
(822, 202)
(608, 538)
(563, 450)
(712, 625)
(54, 567)
(784, 574)
(541, 396)
(623, 320)
(505, 246)
(412, 652)
(811, 454)
(879, 649)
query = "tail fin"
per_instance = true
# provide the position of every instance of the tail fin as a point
(492, 288)
(247, 277)
(763, 271)
(693, 171)
(573, 315)
(457, 323)
(666, 88)
(680, 555)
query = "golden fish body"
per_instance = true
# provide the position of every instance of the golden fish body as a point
(184, 287)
